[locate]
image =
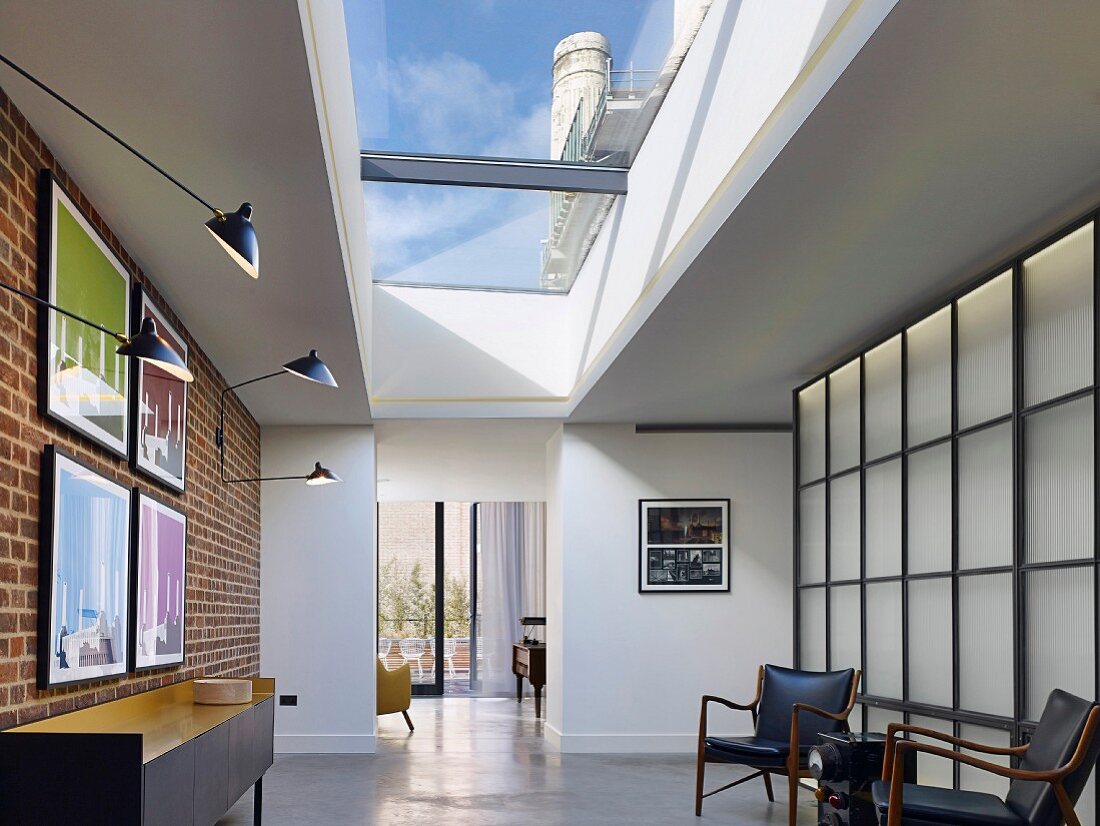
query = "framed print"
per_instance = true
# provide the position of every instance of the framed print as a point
(158, 410)
(683, 545)
(159, 595)
(84, 573)
(82, 382)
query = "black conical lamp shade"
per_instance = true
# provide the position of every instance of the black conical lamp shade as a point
(148, 346)
(236, 234)
(322, 476)
(312, 368)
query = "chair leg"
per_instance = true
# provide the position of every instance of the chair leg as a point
(700, 768)
(792, 784)
(768, 787)
(408, 720)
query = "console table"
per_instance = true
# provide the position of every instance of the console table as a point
(529, 660)
(151, 759)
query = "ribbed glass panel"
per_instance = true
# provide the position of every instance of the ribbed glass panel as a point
(846, 636)
(883, 491)
(811, 625)
(811, 432)
(985, 643)
(933, 770)
(844, 527)
(1057, 314)
(976, 780)
(985, 497)
(1058, 610)
(882, 399)
(930, 653)
(1086, 803)
(928, 351)
(855, 719)
(929, 515)
(844, 417)
(882, 675)
(1058, 475)
(811, 532)
(985, 351)
(878, 719)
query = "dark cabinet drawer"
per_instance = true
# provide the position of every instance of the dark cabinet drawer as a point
(263, 732)
(169, 798)
(521, 656)
(212, 775)
(242, 737)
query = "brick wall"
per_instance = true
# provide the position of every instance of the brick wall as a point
(223, 577)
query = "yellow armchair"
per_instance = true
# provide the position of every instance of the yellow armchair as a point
(395, 691)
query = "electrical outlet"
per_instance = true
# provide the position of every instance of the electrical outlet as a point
(288, 699)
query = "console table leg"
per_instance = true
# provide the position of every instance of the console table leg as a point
(519, 689)
(258, 801)
(538, 701)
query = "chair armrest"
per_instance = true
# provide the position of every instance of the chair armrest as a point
(832, 715)
(895, 728)
(710, 698)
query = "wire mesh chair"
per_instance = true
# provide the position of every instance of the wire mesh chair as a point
(384, 646)
(412, 649)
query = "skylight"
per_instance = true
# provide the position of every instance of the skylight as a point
(571, 81)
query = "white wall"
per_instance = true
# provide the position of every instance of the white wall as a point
(626, 670)
(317, 588)
(493, 460)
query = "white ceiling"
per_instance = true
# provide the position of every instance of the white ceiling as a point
(961, 133)
(220, 95)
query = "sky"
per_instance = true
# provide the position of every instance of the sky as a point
(472, 77)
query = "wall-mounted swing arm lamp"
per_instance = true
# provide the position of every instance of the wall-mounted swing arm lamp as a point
(233, 230)
(309, 367)
(146, 344)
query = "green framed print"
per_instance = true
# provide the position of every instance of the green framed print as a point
(82, 382)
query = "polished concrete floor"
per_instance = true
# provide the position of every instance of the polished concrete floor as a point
(484, 762)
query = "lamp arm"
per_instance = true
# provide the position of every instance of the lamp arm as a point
(44, 303)
(220, 435)
(109, 133)
(264, 479)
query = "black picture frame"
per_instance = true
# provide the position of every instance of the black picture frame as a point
(51, 190)
(141, 304)
(683, 545)
(54, 461)
(138, 497)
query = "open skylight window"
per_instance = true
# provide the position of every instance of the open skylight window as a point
(573, 80)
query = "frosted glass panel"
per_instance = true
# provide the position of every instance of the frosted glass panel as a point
(985, 643)
(811, 432)
(985, 352)
(844, 527)
(844, 417)
(879, 718)
(930, 670)
(1059, 619)
(933, 770)
(811, 623)
(811, 531)
(929, 517)
(976, 780)
(883, 492)
(1059, 482)
(882, 677)
(845, 634)
(985, 497)
(929, 389)
(1058, 318)
(882, 399)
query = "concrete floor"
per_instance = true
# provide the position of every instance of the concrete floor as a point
(484, 762)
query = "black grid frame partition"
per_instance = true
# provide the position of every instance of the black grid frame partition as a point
(945, 507)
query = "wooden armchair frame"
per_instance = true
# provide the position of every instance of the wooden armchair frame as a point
(791, 769)
(893, 767)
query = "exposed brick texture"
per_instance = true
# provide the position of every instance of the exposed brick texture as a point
(223, 576)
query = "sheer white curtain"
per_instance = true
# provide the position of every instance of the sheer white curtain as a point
(513, 574)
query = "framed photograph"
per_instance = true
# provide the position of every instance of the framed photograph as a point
(84, 573)
(683, 545)
(159, 594)
(82, 382)
(158, 409)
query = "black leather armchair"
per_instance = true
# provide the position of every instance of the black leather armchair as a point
(1053, 769)
(790, 709)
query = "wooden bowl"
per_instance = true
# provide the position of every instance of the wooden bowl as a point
(221, 691)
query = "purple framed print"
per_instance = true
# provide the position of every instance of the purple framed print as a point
(683, 545)
(159, 597)
(158, 409)
(84, 573)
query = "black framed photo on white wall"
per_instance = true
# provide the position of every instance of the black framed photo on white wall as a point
(683, 545)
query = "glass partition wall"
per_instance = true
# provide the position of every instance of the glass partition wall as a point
(945, 508)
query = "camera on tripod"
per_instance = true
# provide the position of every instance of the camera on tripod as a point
(845, 765)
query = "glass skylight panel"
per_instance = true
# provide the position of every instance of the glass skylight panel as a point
(570, 80)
